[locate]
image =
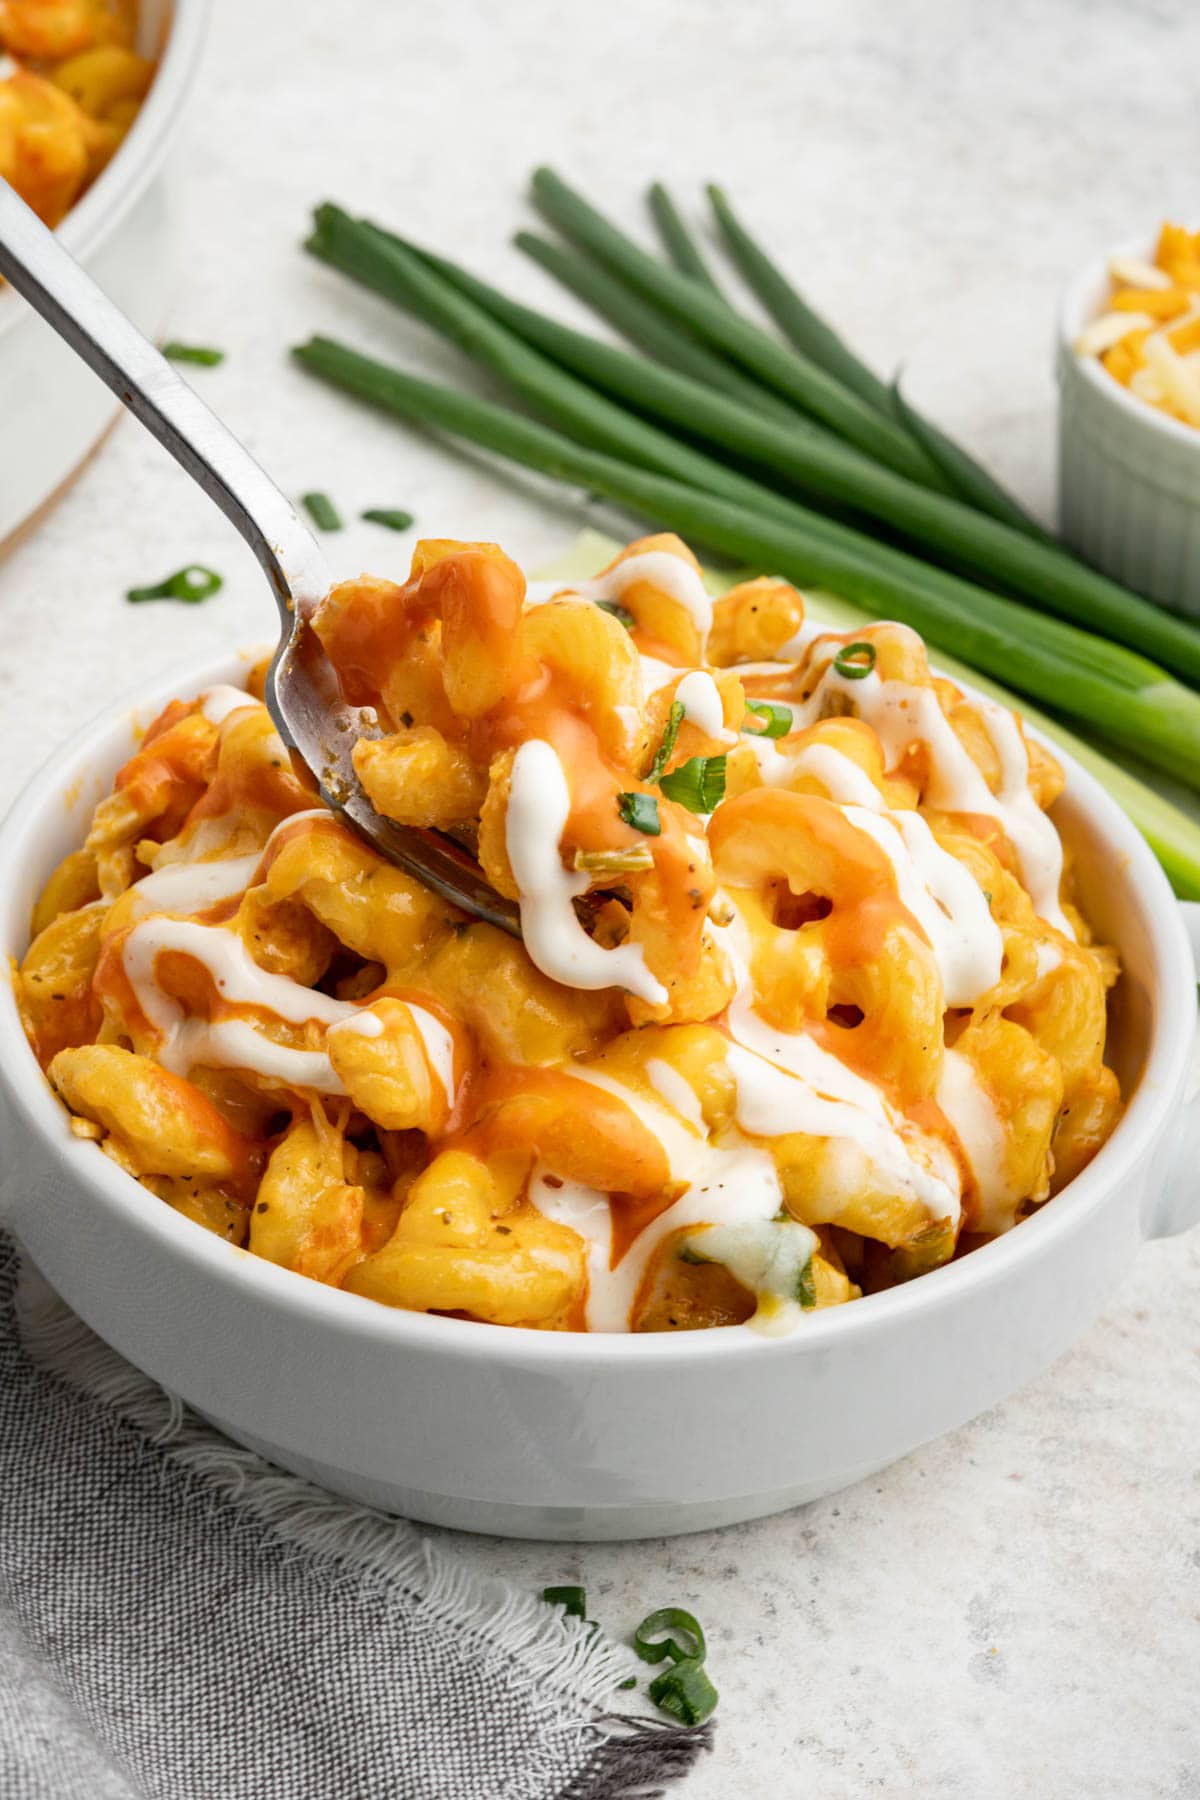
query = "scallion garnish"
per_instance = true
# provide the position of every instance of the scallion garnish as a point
(193, 353)
(699, 784)
(323, 513)
(573, 1600)
(806, 1287)
(630, 1681)
(662, 755)
(191, 584)
(651, 1646)
(394, 517)
(640, 811)
(684, 1692)
(637, 859)
(777, 720)
(855, 661)
(621, 614)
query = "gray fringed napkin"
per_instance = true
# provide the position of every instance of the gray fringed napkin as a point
(181, 1621)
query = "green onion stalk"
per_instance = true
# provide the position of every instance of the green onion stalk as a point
(1120, 695)
(791, 374)
(816, 462)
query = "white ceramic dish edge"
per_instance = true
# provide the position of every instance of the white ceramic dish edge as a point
(560, 1436)
(1129, 476)
(54, 410)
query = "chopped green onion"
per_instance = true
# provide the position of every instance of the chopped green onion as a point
(777, 719)
(394, 517)
(191, 584)
(855, 662)
(640, 811)
(685, 1693)
(699, 784)
(662, 755)
(616, 862)
(573, 1600)
(193, 353)
(323, 513)
(652, 1647)
(629, 1682)
(621, 614)
(806, 1287)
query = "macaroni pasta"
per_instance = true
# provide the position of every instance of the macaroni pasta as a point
(71, 84)
(805, 1003)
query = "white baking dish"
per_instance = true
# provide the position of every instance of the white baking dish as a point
(54, 411)
(1129, 475)
(556, 1435)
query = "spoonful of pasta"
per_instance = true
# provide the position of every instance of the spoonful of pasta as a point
(302, 689)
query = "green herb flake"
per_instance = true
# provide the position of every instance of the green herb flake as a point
(652, 1641)
(662, 755)
(640, 811)
(394, 517)
(200, 354)
(191, 584)
(321, 510)
(621, 614)
(573, 1600)
(854, 662)
(698, 784)
(777, 720)
(806, 1287)
(684, 1692)
(634, 861)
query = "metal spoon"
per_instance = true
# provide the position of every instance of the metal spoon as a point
(302, 689)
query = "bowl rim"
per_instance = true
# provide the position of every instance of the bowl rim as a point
(282, 1291)
(1075, 301)
(140, 156)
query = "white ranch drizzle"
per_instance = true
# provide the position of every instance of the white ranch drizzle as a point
(671, 575)
(438, 1045)
(241, 1043)
(972, 1116)
(190, 887)
(700, 698)
(768, 1109)
(587, 1211)
(899, 713)
(539, 805)
(944, 898)
(655, 674)
(218, 702)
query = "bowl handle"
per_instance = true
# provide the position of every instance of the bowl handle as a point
(1174, 1205)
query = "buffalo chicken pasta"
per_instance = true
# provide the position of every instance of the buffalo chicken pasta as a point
(805, 1002)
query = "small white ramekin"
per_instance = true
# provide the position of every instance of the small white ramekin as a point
(1129, 475)
(53, 410)
(546, 1434)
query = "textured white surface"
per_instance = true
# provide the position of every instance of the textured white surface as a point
(1012, 1611)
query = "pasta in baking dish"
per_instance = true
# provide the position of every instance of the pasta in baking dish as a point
(71, 83)
(805, 1002)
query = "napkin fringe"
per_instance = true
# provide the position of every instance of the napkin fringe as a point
(565, 1668)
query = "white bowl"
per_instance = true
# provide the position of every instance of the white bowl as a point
(1129, 475)
(555, 1435)
(53, 408)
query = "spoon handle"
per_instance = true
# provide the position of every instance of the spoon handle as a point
(38, 267)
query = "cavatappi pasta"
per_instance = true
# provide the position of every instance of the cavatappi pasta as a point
(748, 1061)
(71, 83)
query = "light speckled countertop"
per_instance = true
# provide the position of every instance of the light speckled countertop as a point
(1014, 1610)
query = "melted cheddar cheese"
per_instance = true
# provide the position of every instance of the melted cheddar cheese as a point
(746, 1062)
